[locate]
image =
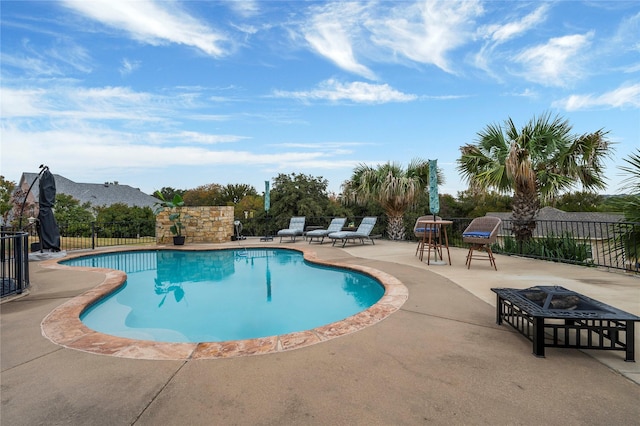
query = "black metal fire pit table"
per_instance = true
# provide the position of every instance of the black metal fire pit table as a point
(552, 316)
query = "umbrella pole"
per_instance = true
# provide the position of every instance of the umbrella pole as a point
(39, 231)
(24, 202)
(267, 235)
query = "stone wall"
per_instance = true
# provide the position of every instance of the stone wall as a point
(205, 224)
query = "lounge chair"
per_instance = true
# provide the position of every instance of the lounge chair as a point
(336, 225)
(295, 229)
(362, 233)
(481, 233)
(419, 230)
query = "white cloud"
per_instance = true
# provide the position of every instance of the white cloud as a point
(426, 32)
(628, 34)
(556, 63)
(188, 137)
(29, 65)
(245, 8)
(153, 22)
(127, 66)
(510, 30)
(22, 102)
(625, 96)
(633, 68)
(99, 103)
(72, 55)
(526, 93)
(360, 92)
(498, 34)
(76, 150)
(330, 34)
(53, 61)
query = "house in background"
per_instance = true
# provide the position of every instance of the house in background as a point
(97, 194)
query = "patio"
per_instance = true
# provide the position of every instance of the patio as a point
(440, 359)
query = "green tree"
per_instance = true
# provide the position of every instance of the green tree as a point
(168, 193)
(475, 204)
(73, 218)
(301, 195)
(204, 195)
(120, 220)
(449, 206)
(6, 189)
(250, 204)
(393, 187)
(232, 194)
(535, 162)
(580, 201)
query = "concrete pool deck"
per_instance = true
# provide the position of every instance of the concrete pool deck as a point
(439, 359)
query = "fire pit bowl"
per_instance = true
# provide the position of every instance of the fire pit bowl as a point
(585, 323)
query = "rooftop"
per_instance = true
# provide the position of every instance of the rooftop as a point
(97, 194)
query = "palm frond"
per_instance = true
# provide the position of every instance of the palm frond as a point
(632, 182)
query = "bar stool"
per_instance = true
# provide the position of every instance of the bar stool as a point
(421, 230)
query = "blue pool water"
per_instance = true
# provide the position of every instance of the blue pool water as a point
(211, 296)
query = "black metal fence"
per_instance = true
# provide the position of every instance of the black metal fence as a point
(613, 245)
(91, 235)
(14, 257)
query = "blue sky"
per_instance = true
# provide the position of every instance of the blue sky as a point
(181, 94)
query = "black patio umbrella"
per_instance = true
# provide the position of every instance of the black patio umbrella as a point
(47, 226)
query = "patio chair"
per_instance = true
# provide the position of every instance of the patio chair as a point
(481, 233)
(362, 233)
(318, 234)
(420, 230)
(295, 229)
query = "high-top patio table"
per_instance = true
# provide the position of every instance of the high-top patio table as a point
(439, 227)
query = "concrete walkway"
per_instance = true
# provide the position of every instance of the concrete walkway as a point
(440, 359)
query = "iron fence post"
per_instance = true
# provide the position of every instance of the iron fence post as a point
(17, 263)
(25, 263)
(2, 244)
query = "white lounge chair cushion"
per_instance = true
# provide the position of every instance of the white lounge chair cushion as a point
(335, 226)
(344, 234)
(289, 232)
(318, 233)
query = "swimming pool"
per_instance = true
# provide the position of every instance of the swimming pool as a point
(215, 296)
(63, 327)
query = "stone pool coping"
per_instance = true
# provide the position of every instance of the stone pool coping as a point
(63, 326)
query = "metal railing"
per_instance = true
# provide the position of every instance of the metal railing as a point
(613, 245)
(91, 235)
(14, 257)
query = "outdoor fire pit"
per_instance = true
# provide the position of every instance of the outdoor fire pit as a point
(552, 316)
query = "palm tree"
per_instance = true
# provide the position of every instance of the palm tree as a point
(627, 242)
(390, 185)
(632, 182)
(536, 163)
